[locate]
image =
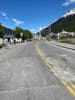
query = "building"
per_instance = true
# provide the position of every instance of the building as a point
(51, 36)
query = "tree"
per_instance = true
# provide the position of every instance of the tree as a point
(26, 33)
(1, 31)
(17, 32)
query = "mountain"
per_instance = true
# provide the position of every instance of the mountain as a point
(66, 22)
(7, 31)
(70, 12)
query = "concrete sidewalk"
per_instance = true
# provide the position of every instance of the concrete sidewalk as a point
(64, 45)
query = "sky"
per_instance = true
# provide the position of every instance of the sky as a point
(33, 15)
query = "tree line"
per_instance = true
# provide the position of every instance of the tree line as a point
(17, 32)
(21, 33)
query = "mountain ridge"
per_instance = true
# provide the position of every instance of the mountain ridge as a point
(66, 22)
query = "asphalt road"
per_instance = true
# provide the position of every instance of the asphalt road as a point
(62, 58)
(25, 76)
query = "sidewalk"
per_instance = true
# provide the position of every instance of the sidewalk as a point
(64, 45)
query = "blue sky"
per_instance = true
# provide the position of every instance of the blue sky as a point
(32, 14)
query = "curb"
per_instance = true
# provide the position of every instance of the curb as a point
(63, 46)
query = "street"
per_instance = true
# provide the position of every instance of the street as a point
(25, 72)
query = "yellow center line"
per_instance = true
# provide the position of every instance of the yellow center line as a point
(73, 86)
(68, 87)
(67, 84)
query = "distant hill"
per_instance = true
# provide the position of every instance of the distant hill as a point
(7, 31)
(66, 22)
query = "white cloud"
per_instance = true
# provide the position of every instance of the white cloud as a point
(36, 30)
(3, 14)
(33, 30)
(17, 22)
(40, 28)
(68, 2)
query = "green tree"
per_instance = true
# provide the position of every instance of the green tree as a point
(26, 33)
(17, 32)
(1, 31)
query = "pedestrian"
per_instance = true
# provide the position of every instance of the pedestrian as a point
(14, 41)
(5, 42)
